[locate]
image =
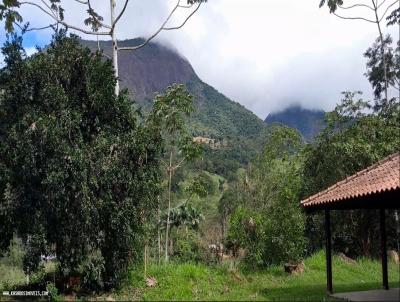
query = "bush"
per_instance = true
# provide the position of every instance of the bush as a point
(187, 249)
(269, 224)
(53, 292)
(247, 231)
(207, 182)
(272, 237)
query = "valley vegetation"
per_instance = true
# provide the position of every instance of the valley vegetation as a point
(100, 197)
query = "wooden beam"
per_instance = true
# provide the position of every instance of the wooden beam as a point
(385, 282)
(328, 252)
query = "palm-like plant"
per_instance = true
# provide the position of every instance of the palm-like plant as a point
(183, 215)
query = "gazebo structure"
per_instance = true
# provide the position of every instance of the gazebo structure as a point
(376, 187)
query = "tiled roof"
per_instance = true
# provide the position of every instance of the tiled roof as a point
(380, 177)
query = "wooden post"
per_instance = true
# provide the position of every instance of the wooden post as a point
(328, 251)
(385, 282)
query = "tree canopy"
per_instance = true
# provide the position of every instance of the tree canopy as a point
(74, 156)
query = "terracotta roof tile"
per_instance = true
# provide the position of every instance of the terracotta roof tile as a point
(380, 177)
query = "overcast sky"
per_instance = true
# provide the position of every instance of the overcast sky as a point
(265, 54)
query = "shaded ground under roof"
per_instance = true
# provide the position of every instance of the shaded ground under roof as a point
(371, 295)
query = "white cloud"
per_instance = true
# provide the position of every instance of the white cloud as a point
(264, 54)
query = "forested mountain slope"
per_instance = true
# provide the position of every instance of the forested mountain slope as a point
(154, 67)
(308, 122)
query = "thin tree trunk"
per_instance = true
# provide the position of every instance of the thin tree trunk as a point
(382, 47)
(114, 47)
(158, 232)
(169, 205)
(171, 246)
(145, 260)
(398, 83)
(223, 226)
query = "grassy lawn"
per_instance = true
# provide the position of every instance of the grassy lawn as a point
(198, 282)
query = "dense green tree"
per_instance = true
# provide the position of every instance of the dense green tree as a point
(79, 167)
(354, 139)
(358, 136)
(269, 222)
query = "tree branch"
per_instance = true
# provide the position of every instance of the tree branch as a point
(184, 22)
(94, 16)
(354, 18)
(155, 34)
(356, 5)
(49, 8)
(164, 163)
(40, 28)
(105, 55)
(186, 6)
(58, 20)
(163, 26)
(81, 2)
(99, 49)
(387, 9)
(179, 164)
(39, 7)
(119, 16)
(382, 3)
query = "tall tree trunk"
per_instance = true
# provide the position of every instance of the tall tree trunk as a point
(399, 90)
(223, 227)
(158, 232)
(169, 205)
(114, 47)
(382, 47)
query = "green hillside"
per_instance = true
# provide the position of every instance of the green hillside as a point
(153, 68)
(237, 130)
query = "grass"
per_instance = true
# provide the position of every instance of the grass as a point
(11, 273)
(199, 282)
(10, 276)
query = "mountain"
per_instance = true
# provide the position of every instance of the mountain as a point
(308, 122)
(237, 133)
(153, 68)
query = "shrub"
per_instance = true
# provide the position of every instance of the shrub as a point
(53, 292)
(186, 248)
(269, 223)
